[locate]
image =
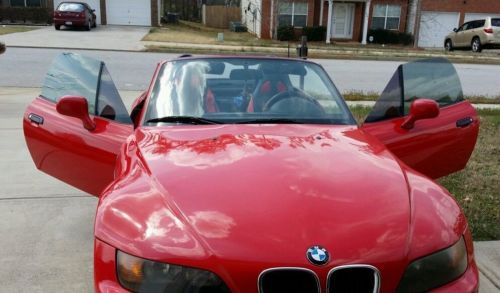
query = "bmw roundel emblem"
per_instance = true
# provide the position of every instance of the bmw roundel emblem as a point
(318, 255)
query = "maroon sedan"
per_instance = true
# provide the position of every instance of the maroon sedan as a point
(75, 14)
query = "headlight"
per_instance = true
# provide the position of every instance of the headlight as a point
(141, 275)
(436, 269)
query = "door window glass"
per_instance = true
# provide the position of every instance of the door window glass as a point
(434, 79)
(74, 75)
(389, 105)
(109, 102)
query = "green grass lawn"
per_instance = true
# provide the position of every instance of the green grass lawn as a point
(477, 187)
(10, 29)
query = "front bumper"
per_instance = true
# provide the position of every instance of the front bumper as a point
(106, 280)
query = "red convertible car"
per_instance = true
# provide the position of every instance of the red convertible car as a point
(250, 174)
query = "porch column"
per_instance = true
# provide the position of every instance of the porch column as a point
(329, 22)
(365, 21)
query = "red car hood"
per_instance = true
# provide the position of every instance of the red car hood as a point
(267, 193)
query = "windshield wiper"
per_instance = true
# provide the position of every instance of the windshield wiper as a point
(183, 119)
(271, 121)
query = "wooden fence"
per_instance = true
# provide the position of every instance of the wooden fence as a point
(220, 16)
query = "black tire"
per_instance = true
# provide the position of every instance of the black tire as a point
(448, 46)
(476, 45)
(94, 24)
(57, 27)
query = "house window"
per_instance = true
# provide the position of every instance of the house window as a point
(26, 3)
(293, 13)
(386, 16)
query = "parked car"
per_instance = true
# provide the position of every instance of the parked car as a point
(476, 35)
(74, 14)
(250, 174)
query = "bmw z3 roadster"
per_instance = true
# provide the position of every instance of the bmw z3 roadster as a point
(250, 174)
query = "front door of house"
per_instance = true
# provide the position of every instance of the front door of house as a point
(343, 19)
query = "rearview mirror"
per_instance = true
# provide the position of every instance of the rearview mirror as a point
(420, 109)
(77, 107)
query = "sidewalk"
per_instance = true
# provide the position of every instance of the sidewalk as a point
(488, 260)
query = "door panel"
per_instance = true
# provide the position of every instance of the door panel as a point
(62, 148)
(59, 145)
(435, 147)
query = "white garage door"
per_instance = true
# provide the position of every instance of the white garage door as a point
(434, 26)
(129, 12)
(475, 16)
(94, 4)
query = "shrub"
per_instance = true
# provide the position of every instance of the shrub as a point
(381, 36)
(30, 14)
(286, 33)
(314, 33)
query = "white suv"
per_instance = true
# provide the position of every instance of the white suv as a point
(476, 34)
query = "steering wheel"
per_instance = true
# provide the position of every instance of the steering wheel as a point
(293, 94)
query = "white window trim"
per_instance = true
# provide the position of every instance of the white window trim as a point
(386, 16)
(293, 13)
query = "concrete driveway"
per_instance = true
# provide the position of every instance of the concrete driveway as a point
(104, 37)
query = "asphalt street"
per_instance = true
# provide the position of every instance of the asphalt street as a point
(26, 67)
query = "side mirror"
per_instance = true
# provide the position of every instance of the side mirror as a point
(455, 29)
(420, 109)
(77, 107)
(93, 10)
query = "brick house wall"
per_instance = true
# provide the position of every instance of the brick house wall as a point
(462, 6)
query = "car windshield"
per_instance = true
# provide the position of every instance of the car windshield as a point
(245, 90)
(71, 7)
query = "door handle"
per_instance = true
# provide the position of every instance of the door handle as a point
(35, 119)
(464, 122)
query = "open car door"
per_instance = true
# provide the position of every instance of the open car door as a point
(79, 148)
(435, 142)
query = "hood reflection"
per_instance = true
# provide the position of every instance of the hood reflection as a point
(212, 224)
